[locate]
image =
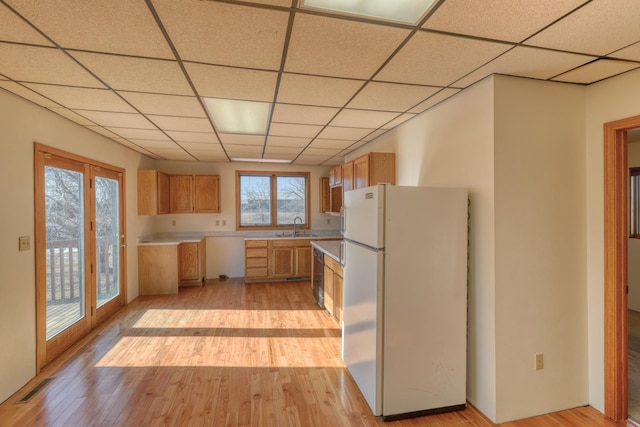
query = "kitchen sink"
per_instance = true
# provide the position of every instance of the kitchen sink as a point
(299, 235)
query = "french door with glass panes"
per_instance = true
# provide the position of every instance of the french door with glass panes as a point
(79, 248)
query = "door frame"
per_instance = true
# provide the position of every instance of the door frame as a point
(616, 188)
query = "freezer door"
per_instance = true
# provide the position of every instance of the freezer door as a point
(362, 321)
(364, 216)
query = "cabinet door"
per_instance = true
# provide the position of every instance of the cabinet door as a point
(347, 176)
(189, 262)
(361, 172)
(207, 193)
(282, 262)
(304, 261)
(337, 175)
(328, 289)
(147, 192)
(325, 195)
(337, 297)
(163, 193)
(181, 193)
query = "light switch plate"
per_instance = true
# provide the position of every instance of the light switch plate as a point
(24, 243)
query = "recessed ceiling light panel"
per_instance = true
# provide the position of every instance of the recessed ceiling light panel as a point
(407, 11)
(235, 116)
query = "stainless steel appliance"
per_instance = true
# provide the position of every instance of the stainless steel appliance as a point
(318, 276)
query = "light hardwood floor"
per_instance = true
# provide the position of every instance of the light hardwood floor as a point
(226, 354)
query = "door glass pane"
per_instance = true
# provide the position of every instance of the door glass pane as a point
(107, 240)
(64, 217)
(291, 200)
(255, 200)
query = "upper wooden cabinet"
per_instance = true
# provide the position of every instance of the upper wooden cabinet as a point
(161, 193)
(347, 176)
(153, 192)
(374, 168)
(335, 176)
(181, 193)
(325, 195)
(207, 193)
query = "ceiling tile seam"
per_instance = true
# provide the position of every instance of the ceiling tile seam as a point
(61, 49)
(25, 44)
(283, 59)
(165, 33)
(556, 21)
(595, 81)
(581, 66)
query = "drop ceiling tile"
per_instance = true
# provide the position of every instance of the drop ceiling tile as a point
(281, 151)
(209, 148)
(435, 99)
(583, 31)
(186, 124)
(281, 3)
(631, 53)
(529, 62)
(509, 20)
(362, 118)
(152, 144)
(360, 144)
(368, 138)
(230, 138)
(43, 65)
(136, 74)
(205, 156)
(316, 91)
(399, 120)
(79, 98)
(438, 59)
(104, 132)
(285, 129)
(339, 47)
(74, 117)
(225, 34)
(391, 96)
(310, 160)
(97, 25)
(27, 94)
(168, 105)
(233, 83)
(303, 114)
(287, 141)
(149, 134)
(596, 71)
(121, 120)
(344, 133)
(330, 143)
(196, 137)
(323, 152)
(14, 29)
(234, 150)
(282, 156)
(169, 154)
(334, 161)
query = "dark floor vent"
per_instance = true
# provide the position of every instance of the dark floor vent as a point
(35, 390)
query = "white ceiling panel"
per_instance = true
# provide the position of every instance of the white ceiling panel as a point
(439, 60)
(287, 141)
(435, 99)
(233, 83)
(210, 148)
(340, 47)
(235, 150)
(331, 143)
(225, 34)
(185, 124)
(584, 30)
(391, 96)
(97, 25)
(206, 156)
(104, 132)
(235, 139)
(316, 91)
(122, 120)
(368, 138)
(73, 116)
(129, 133)
(398, 121)
(136, 74)
(280, 3)
(168, 105)
(27, 93)
(151, 144)
(282, 151)
(14, 29)
(310, 160)
(79, 98)
(631, 53)
(596, 71)
(527, 62)
(303, 114)
(344, 133)
(285, 129)
(170, 154)
(363, 118)
(324, 152)
(43, 65)
(509, 20)
(196, 137)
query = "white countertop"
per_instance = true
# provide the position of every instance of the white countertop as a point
(329, 247)
(177, 238)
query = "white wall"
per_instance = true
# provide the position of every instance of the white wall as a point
(452, 146)
(607, 101)
(22, 123)
(633, 160)
(540, 247)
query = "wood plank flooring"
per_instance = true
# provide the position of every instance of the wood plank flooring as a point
(226, 354)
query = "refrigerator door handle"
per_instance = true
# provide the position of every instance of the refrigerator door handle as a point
(343, 254)
(343, 220)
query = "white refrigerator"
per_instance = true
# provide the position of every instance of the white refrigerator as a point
(405, 298)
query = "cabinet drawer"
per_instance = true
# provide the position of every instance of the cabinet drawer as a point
(256, 272)
(256, 262)
(290, 243)
(332, 264)
(255, 244)
(256, 252)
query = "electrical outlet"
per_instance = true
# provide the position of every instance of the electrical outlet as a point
(224, 222)
(173, 222)
(539, 361)
(328, 220)
(24, 243)
(217, 222)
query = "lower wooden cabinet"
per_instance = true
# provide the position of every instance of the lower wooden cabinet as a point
(256, 259)
(192, 263)
(333, 289)
(277, 259)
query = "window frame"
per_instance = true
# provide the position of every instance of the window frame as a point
(634, 203)
(274, 175)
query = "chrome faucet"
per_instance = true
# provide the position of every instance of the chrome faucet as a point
(295, 232)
